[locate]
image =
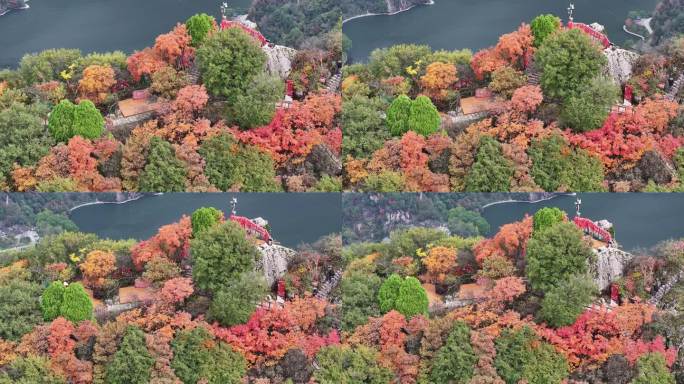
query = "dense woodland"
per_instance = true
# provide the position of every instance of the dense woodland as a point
(551, 126)
(222, 132)
(301, 23)
(63, 318)
(514, 307)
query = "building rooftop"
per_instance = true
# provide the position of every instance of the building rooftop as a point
(133, 107)
(471, 105)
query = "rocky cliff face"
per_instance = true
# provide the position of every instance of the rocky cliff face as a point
(274, 261)
(620, 62)
(279, 60)
(609, 265)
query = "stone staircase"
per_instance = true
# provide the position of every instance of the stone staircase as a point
(333, 83)
(329, 285)
(665, 288)
(675, 87)
(193, 74)
(533, 74)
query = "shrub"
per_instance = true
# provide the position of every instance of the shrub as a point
(199, 26)
(412, 299)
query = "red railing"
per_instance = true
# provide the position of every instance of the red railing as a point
(596, 35)
(591, 228)
(251, 226)
(225, 24)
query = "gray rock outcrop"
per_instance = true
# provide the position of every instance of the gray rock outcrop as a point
(620, 62)
(279, 59)
(609, 265)
(274, 261)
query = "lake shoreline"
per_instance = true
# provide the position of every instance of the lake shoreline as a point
(111, 202)
(431, 2)
(527, 201)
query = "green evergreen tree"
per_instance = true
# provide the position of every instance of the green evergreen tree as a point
(61, 120)
(568, 60)
(363, 128)
(588, 108)
(30, 370)
(343, 364)
(51, 300)
(163, 172)
(132, 363)
(88, 122)
(229, 61)
(652, 369)
(556, 253)
(76, 305)
(235, 303)
(543, 26)
(564, 303)
(424, 117)
(205, 218)
(24, 140)
(197, 357)
(520, 355)
(398, 115)
(19, 308)
(491, 172)
(224, 248)
(199, 26)
(359, 292)
(556, 166)
(412, 299)
(454, 363)
(389, 292)
(257, 105)
(547, 217)
(230, 164)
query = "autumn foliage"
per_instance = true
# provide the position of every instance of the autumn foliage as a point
(509, 242)
(172, 241)
(295, 131)
(269, 334)
(97, 267)
(625, 137)
(96, 83)
(512, 49)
